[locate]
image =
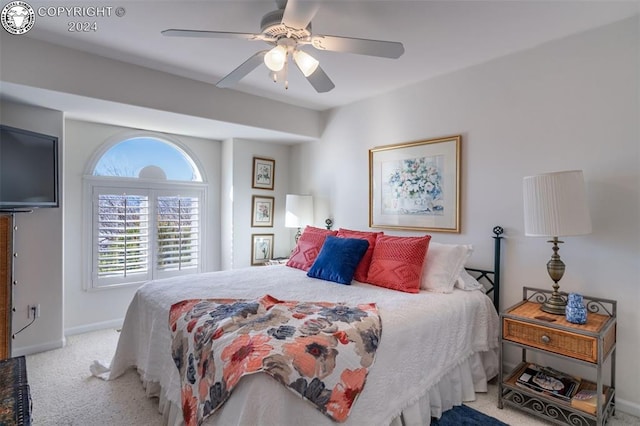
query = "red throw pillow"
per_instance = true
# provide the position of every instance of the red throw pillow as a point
(308, 247)
(363, 267)
(310, 228)
(397, 262)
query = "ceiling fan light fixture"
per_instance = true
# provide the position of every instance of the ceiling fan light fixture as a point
(275, 58)
(289, 29)
(307, 63)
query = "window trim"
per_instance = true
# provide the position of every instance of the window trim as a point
(159, 187)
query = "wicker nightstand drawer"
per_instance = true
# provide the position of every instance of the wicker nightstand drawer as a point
(555, 337)
(576, 346)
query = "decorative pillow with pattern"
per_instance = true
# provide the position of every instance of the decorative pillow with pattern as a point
(371, 237)
(308, 247)
(397, 262)
(338, 259)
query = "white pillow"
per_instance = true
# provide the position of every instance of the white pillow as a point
(466, 282)
(442, 266)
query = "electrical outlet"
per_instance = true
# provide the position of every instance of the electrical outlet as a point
(33, 311)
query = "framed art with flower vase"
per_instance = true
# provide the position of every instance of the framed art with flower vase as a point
(262, 211)
(416, 185)
(261, 248)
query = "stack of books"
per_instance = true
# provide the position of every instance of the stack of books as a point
(548, 381)
(586, 400)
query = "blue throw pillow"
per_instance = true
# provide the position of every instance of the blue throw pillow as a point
(338, 259)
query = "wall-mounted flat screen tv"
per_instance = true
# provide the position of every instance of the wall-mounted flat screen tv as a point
(28, 169)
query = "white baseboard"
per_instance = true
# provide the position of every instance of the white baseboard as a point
(627, 407)
(47, 346)
(93, 327)
(57, 344)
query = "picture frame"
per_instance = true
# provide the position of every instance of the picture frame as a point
(262, 211)
(261, 248)
(416, 186)
(263, 173)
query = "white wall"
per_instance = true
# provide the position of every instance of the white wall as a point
(243, 153)
(226, 205)
(88, 310)
(38, 244)
(94, 77)
(569, 104)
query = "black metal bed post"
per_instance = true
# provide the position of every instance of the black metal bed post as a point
(498, 231)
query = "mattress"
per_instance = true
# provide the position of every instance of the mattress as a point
(436, 349)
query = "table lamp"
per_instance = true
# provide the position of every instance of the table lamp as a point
(555, 205)
(299, 212)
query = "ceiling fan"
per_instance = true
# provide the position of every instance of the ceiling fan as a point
(288, 30)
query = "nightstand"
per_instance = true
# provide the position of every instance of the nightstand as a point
(525, 326)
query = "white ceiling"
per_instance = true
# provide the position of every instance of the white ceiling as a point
(439, 37)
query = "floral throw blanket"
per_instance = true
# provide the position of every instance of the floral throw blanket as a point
(321, 351)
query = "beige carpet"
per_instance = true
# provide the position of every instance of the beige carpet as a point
(64, 392)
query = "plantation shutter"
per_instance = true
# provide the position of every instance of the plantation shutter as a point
(122, 222)
(178, 230)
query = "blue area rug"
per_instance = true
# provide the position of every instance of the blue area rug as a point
(465, 416)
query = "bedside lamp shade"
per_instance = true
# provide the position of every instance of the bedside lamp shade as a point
(555, 205)
(298, 211)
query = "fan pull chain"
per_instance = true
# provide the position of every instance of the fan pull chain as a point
(286, 73)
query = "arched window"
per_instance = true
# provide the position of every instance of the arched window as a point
(147, 209)
(147, 157)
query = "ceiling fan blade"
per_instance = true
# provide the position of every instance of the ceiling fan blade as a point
(245, 68)
(321, 81)
(361, 46)
(298, 14)
(210, 34)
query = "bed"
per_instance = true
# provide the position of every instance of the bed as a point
(436, 348)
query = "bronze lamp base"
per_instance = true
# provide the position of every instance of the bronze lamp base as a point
(555, 267)
(555, 304)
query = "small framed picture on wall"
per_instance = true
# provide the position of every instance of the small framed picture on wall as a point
(262, 211)
(261, 248)
(263, 172)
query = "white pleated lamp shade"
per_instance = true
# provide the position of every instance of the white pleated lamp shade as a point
(555, 205)
(298, 211)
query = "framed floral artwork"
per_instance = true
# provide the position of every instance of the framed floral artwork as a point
(263, 171)
(416, 185)
(261, 248)
(262, 211)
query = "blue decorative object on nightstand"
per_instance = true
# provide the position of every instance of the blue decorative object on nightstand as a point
(576, 312)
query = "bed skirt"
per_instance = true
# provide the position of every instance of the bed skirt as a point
(455, 387)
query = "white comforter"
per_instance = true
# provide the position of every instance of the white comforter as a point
(424, 337)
